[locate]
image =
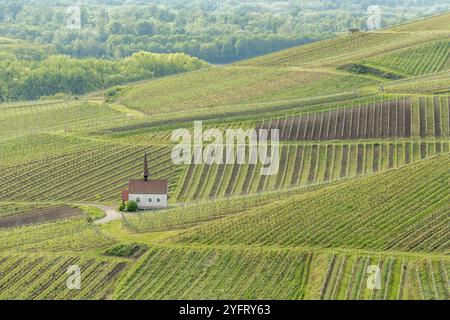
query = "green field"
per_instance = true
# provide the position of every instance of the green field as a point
(363, 179)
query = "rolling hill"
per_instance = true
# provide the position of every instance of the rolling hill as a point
(364, 122)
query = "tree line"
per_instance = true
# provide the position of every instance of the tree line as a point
(24, 79)
(215, 31)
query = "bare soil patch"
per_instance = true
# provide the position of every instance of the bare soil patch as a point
(39, 216)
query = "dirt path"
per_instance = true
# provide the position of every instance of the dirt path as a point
(111, 215)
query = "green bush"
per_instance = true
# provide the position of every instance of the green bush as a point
(113, 93)
(122, 207)
(131, 206)
(131, 250)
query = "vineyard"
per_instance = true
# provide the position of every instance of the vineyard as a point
(404, 210)
(425, 59)
(397, 118)
(302, 165)
(344, 49)
(362, 181)
(401, 278)
(438, 83)
(234, 85)
(96, 174)
(437, 23)
(65, 116)
(217, 274)
(250, 273)
(68, 235)
(44, 277)
(12, 208)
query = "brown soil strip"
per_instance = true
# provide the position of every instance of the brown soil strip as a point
(248, 178)
(354, 124)
(348, 124)
(362, 122)
(310, 126)
(391, 156)
(318, 126)
(313, 164)
(233, 178)
(297, 166)
(39, 216)
(401, 118)
(407, 152)
(437, 117)
(408, 117)
(438, 146)
(202, 181)
(393, 119)
(376, 157)
(187, 181)
(339, 124)
(423, 117)
(370, 121)
(344, 161)
(327, 174)
(423, 150)
(360, 159)
(282, 168)
(217, 181)
(303, 126)
(332, 129)
(385, 120)
(325, 124)
(288, 134)
(298, 128)
(283, 128)
(377, 120)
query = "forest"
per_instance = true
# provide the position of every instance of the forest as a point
(22, 79)
(215, 31)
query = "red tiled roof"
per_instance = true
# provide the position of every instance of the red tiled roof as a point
(125, 195)
(148, 187)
